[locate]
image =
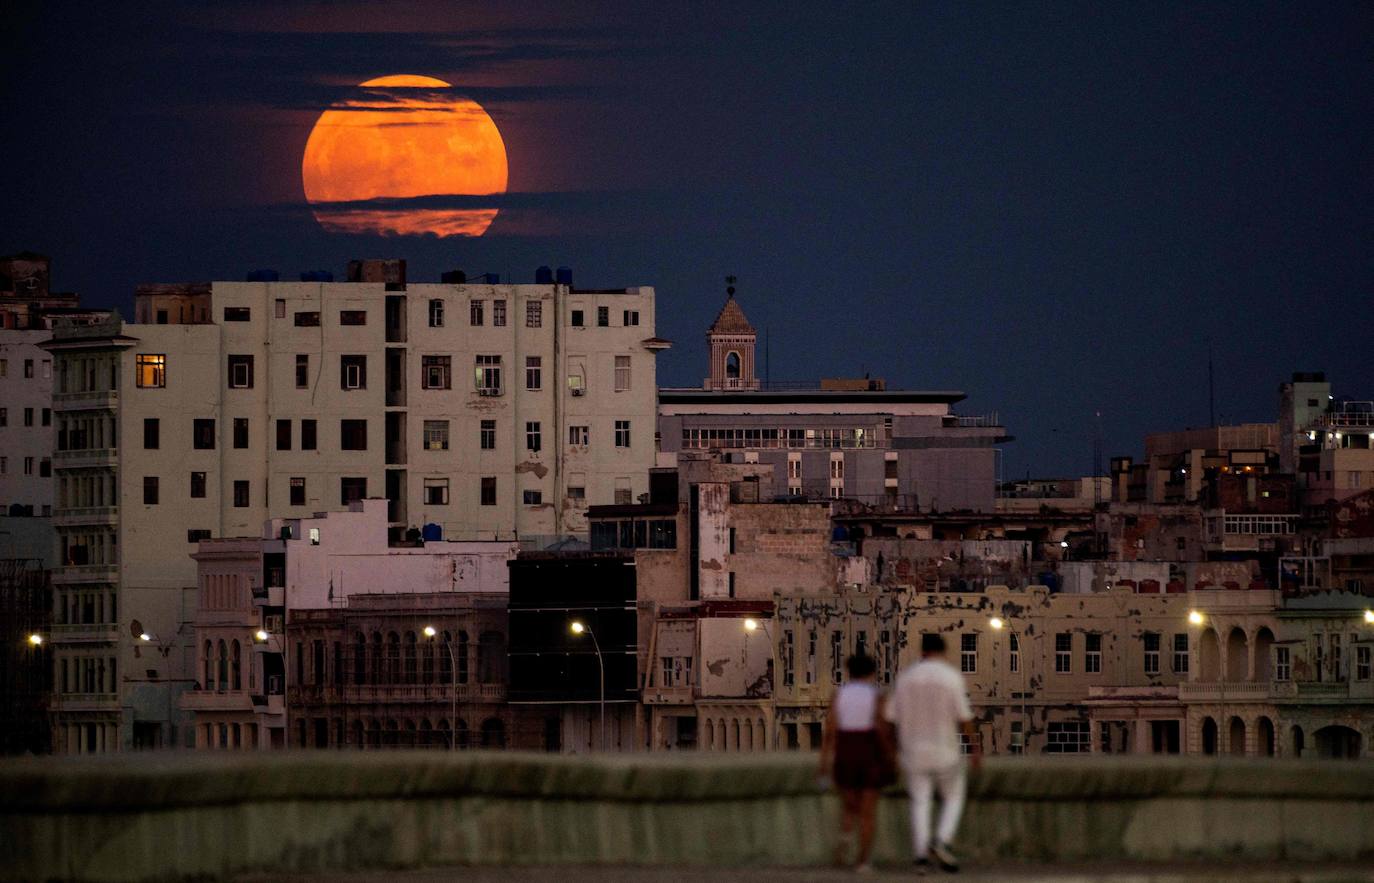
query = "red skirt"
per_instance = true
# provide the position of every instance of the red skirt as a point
(860, 761)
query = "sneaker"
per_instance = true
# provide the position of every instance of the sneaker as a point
(945, 858)
(922, 867)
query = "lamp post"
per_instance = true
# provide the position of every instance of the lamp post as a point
(998, 624)
(752, 625)
(1197, 619)
(578, 628)
(430, 632)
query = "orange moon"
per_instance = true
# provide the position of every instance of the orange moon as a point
(392, 143)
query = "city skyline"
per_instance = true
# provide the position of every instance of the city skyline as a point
(1058, 213)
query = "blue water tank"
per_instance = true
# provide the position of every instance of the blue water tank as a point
(543, 276)
(262, 276)
(564, 276)
(317, 276)
(432, 533)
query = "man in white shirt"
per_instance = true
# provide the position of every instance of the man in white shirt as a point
(929, 707)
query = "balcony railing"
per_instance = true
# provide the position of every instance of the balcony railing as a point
(1224, 691)
(83, 515)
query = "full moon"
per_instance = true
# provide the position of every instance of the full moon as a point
(403, 139)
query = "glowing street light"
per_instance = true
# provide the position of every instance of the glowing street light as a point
(996, 622)
(37, 640)
(145, 637)
(261, 634)
(429, 631)
(577, 627)
(751, 624)
(1369, 616)
(1195, 617)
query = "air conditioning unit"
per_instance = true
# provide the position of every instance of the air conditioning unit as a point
(578, 391)
(488, 392)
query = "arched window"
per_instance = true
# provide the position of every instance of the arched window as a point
(443, 736)
(462, 731)
(1209, 736)
(427, 662)
(1265, 738)
(357, 735)
(408, 734)
(1236, 737)
(491, 658)
(732, 365)
(376, 672)
(462, 654)
(412, 670)
(237, 669)
(222, 682)
(209, 682)
(1236, 662)
(493, 733)
(359, 663)
(393, 658)
(445, 660)
(426, 734)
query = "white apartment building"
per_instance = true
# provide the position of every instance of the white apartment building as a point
(26, 433)
(492, 411)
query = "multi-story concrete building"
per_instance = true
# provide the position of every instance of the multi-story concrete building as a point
(839, 439)
(320, 634)
(238, 402)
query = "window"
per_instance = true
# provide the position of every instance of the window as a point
(1151, 653)
(489, 490)
(577, 492)
(197, 485)
(240, 494)
(283, 435)
(150, 371)
(534, 379)
(240, 372)
(352, 372)
(4, 416)
(1092, 658)
(622, 433)
(488, 375)
(533, 498)
(1014, 648)
(603, 317)
(575, 318)
(28, 369)
(150, 490)
(1067, 737)
(28, 466)
(240, 432)
(622, 373)
(534, 314)
(498, 313)
(353, 435)
(307, 435)
(279, 308)
(45, 417)
(837, 468)
(436, 491)
(436, 435)
(151, 433)
(789, 658)
(203, 435)
(45, 471)
(1362, 662)
(436, 313)
(353, 317)
(236, 314)
(297, 492)
(623, 495)
(1181, 654)
(195, 536)
(475, 313)
(352, 489)
(836, 657)
(436, 372)
(28, 416)
(579, 435)
(488, 435)
(968, 653)
(302, 371)
(307, 320)
(532, 435)
(1018, 739)
(1283, 667)
(1063, 653)
(631, 318)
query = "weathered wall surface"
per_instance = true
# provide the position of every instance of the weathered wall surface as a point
(130, 819)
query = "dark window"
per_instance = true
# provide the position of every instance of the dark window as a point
(353, 435)
(45, 470)
(436, 372)
(352, 372)
(498, 313)
(436, 491)
(353, 317)
(302, 371)
(631, 318)
(532, 435)
(603, 317)
(488, 435)
(475, 312)
(240, 432)
(203, 435)
(240, 494)
(196, 535)
(283, 435)
(436, 314)
(489, 491)
(45, 417)
(577, 318)
(236, 314)
(150, 433)
(298, 492)
(352, 490)
(307, 320)
(150, 490)
(307, 435)
(198, 485)
(533, 498)
(240, 372)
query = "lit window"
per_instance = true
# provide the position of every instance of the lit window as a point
(150, 371)
(487, 375)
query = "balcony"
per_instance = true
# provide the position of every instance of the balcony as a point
(85, 633)
(75, 401)
(210, 700)
(668, 696)
(1224, 691)
(270, 703)
(89, 458)
(269, 596)
(85, 573)
(436, 692)
(85, 702)
(86, 515)
(971, 421)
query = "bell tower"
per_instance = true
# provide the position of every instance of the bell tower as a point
(731, 341)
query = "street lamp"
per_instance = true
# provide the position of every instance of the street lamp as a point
(1195, 617)
(577, 627)
(1369, 616)
(36, 639)
(998, 624)
(261, 635)
(752, 625)
(430, 632)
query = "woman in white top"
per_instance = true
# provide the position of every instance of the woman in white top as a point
(856, 755)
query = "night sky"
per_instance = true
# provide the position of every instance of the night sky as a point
(1055, 208)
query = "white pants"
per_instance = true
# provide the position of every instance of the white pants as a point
(922, 785)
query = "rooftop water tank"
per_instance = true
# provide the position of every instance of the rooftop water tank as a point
(262, 276)
(317, 276)
(564, 276)
(491, 278)
(543, 276)
(432, 533)
(453, 277)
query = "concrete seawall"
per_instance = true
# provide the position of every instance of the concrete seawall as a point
(144, 817)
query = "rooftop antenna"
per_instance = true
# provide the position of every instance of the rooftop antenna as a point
(1211, 388)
